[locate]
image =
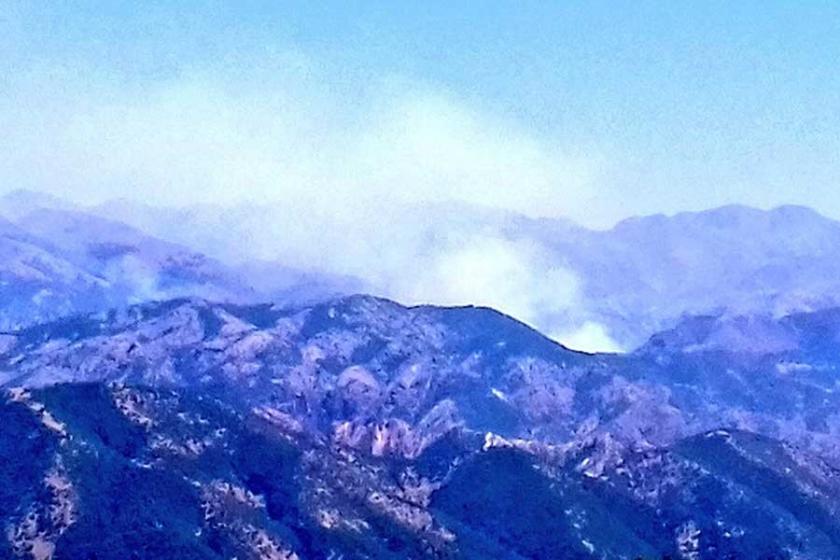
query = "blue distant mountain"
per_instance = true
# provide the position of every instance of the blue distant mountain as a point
(59, 260)
(634, 280)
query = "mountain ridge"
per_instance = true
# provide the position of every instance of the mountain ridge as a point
(361, 427)
(611, 282)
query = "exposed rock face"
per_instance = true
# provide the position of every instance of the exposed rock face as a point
(232, 484)
(44, 523)
(360, 428)
(399, 377)
(392, 379)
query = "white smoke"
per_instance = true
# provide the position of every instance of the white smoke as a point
(589, 337)
(276, 135)
(517, 278)
(326, 183)
(511, 277)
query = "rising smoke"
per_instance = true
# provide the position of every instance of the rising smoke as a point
(393, 188)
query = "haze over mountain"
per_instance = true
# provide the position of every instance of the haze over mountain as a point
(60, 260)
(592, 289)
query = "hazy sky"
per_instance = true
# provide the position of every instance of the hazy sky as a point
(594, 110)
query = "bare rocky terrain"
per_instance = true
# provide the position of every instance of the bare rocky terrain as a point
(360, 428)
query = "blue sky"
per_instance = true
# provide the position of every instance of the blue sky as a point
(595, 110)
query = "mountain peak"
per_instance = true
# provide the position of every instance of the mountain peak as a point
(726, 216)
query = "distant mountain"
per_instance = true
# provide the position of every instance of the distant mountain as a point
(60, 261)
(37, 284)
(139, 266)
(646, 272)
(628, 282)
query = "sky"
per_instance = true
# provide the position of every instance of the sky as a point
(590, 110)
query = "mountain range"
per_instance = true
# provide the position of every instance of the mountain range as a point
(59, 260)
(361, 428)
(623, 284)
(171, 395)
